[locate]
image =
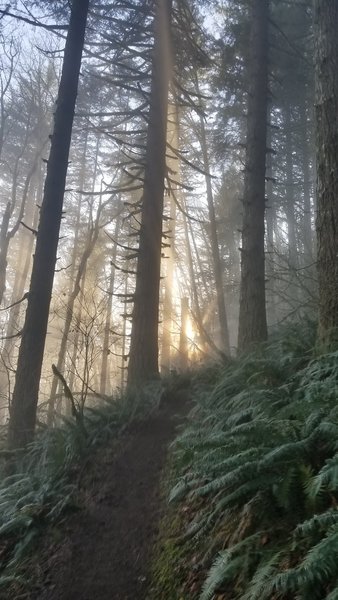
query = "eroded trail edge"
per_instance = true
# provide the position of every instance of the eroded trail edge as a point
(106, 549)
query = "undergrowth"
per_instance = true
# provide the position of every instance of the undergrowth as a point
(43, 483)
(168, 573)
(258, 465)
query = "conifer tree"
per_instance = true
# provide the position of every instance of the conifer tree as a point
(143, 358)
(326, 65)
(26, 390)
(252, 315)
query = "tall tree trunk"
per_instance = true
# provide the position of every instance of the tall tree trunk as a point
(216, 259)
(197, 313)
(106, 336)
(168, 293)
(173, 165)
(74, 287)
(26, 390)
(326, 64)
(124, 332)
(143, 357)
(292, 257)
(252, 312)
(270, 226)
(184, 342)
(76, 341)
(290, 195)
(307, 220)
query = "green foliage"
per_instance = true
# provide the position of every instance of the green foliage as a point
(43, 480)
(261, 452)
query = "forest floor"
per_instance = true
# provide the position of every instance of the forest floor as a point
(106, 549)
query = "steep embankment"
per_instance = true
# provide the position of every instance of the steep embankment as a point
(106, 548)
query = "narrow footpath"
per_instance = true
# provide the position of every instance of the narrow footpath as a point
(106, 548)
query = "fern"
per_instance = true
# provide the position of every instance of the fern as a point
(263, 445)
(261, 586)
(319, 566)
(327, 478)
(226, 566)
(317, 524)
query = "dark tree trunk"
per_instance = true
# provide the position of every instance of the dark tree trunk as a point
(326, 64)
(252, 313)
(26, 390)
(143, 358)
(75, 286)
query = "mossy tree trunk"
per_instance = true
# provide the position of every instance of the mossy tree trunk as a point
(326, 65)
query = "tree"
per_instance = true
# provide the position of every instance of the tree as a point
(326, 67)
(26, 389)
(143, 358)
(252, 315)
(217, 265)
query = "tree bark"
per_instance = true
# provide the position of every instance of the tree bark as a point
(290, 196)
(74, 285)
(270, 228)
(168, 294)
(307, 219)
(174, 166)
(106, 336)
(252, 313)
(217, 265)
(143, 356)
(26, 389)
(326, 71)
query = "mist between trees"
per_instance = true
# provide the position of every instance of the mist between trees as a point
(184, 211)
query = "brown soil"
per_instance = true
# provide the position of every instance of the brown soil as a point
(106, 548)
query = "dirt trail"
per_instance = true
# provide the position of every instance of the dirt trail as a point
(107, 547)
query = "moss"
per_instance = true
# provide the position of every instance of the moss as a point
(170, 566)
(167, 574)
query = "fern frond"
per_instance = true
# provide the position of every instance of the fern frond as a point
(261, 584)
(226, 566)
(327, 478)
(318, 524)
(318, 568)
